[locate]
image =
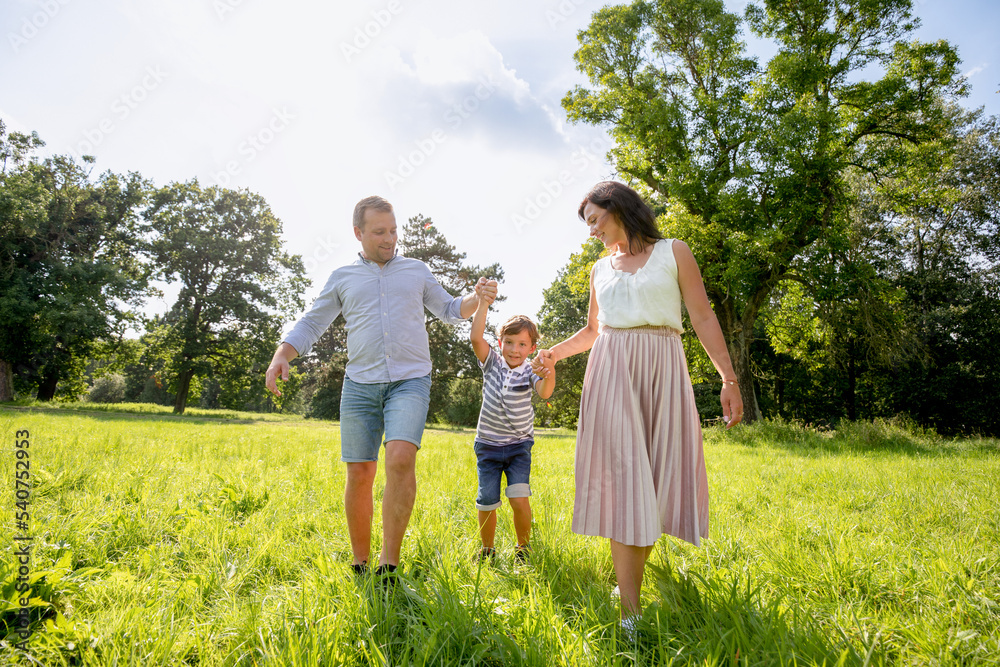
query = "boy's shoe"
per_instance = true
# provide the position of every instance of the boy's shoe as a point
(360, 569)
(487, 553)
(522, 553)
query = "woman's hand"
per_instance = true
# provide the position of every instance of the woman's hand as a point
(543, 365)
(732, 404)
(542, 358)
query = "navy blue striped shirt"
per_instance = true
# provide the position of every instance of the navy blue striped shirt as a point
(507, 415)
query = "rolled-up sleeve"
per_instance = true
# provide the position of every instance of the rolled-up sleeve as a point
(321, 314)
(441, 304)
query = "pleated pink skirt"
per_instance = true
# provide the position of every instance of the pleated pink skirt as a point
(640, 465)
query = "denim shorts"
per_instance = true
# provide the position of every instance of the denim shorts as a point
(397, 409)
(492, 461)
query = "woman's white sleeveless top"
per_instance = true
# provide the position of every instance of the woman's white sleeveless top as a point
(650, 296)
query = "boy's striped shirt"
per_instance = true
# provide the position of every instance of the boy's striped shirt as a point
(506, 416)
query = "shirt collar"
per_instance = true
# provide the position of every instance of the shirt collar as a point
(516, 369)
(365, 260)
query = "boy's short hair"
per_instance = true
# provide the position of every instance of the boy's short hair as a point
(516, 325)
(374, 202)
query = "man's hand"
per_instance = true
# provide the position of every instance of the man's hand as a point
(486, 289)
(279, 367)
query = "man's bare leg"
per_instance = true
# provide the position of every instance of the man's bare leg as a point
(359, 507)
(397, 501)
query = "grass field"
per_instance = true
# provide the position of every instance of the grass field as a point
(198, 541)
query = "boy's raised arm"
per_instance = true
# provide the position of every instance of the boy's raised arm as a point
(479, 344)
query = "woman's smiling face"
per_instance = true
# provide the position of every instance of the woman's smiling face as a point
(604, 226)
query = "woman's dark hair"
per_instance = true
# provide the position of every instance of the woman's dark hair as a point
(626, 204)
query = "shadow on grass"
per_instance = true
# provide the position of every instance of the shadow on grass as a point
(888, 437)
(110, 415)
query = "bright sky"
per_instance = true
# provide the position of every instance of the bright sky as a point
(447, 109)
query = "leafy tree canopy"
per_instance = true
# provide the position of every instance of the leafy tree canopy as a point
(760, 154)
(237, 284)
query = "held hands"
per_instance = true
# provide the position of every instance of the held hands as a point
(732, 404)
(543, 363)
(486, 290)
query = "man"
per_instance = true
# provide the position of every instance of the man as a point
(387, 380)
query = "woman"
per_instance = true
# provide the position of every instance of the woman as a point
(640, 469)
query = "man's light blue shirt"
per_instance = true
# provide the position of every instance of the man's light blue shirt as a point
(384, 311)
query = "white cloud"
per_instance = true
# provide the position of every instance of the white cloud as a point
(464, 58)
(976, 70)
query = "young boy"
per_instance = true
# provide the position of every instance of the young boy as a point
(505, 432)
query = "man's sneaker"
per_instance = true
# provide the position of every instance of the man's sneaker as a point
(360, 569)
(487, 553)
(522, 553)
(386, 574)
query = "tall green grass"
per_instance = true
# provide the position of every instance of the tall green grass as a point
(197, 542)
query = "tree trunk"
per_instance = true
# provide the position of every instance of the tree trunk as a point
(183, 385)
(779, 385)
(739, 352)
(852, 384)
(47, 387)
(6, 381)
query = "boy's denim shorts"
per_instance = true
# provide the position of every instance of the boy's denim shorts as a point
(397, 409)
(492, 461)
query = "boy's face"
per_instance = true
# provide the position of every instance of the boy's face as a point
(515, 348)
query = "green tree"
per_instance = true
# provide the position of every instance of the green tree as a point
(237, 284)
(759, 155)
(893, 319)
(943, 212)
(71, 265)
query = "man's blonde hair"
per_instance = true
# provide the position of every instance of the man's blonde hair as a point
(374, 202)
